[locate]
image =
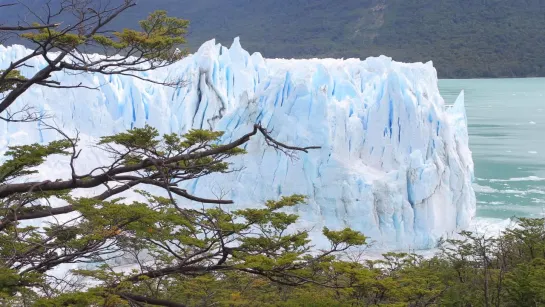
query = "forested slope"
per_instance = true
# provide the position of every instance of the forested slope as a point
(464, 38)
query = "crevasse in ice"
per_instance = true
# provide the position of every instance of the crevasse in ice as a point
(394, 161)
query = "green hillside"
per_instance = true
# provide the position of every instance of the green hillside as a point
(464, 38)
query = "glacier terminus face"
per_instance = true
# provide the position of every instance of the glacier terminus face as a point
(394, 161)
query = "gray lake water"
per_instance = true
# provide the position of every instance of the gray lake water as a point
(507, 137)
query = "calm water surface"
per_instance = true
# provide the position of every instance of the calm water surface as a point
(507, 137)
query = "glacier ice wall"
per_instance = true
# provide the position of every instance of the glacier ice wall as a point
(394, 159)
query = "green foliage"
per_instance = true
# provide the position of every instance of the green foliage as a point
(156, 41)
(11, 80)
(346, 235)
(140, 143)
(200, 136)
(139, 138)
(78, 299)
(9, 279)
(25, 157)
(58, 39)
(525, 285)
(178, 243)
(470, 271)
(284, 202)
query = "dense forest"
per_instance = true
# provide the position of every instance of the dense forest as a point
(471, 271)
(464, 38)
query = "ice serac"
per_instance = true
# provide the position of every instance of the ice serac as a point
(394, 159)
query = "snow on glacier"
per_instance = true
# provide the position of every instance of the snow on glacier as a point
(394, 161)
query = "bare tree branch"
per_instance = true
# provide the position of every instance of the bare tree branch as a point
(122, 174)
(26, 28)
(24, 115)
(102, 19)
(7, 4)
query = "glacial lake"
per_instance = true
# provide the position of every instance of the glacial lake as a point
(507, 137)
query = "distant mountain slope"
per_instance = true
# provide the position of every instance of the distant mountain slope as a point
(464, 38)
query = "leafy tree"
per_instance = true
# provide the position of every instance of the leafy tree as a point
(165, 240)
(468, 271)
(46, 226)
(124, 52)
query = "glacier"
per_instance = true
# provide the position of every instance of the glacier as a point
(394, 161)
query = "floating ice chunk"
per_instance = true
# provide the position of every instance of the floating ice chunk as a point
(517, 179)
(484, 189)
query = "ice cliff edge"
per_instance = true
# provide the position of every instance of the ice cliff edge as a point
(394, 164)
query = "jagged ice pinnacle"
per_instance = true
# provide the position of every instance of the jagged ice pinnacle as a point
(394, 161)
